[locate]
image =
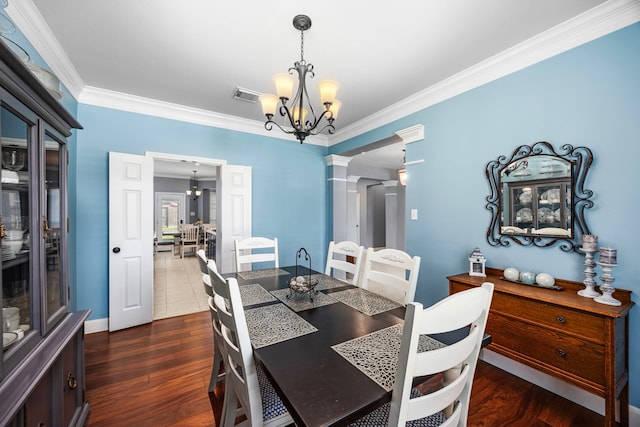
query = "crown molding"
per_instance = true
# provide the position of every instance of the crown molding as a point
(153, 107)
(590, 25)
(594, 23)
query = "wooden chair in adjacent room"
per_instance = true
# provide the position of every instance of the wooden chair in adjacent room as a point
(338, 261)
(253, 250)
(245, 383)
(391, 273)
(189, 238)
(458, 361)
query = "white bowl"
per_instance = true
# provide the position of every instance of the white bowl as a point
(12, 245)
(14, 234)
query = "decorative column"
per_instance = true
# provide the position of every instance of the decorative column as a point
(337, 196)
(391, 213)
(353, 216)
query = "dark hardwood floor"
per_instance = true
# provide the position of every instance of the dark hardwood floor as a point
(158, 375)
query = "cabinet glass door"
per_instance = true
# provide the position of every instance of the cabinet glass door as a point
(17, 314)
(53, 227)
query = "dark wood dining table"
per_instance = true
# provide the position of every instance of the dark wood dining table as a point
(318, 386)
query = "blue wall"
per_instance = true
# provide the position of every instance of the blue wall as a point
(289, 184)
(589, 96)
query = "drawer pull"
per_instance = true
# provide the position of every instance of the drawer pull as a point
(72, 383)
(561, 352)
(561, 319)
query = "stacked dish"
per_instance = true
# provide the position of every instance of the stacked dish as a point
(12, 244)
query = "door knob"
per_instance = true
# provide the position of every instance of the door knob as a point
(116, 250)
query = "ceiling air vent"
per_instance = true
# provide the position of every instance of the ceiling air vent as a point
(246, 94)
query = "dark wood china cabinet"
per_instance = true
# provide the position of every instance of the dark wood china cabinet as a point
(42, 358)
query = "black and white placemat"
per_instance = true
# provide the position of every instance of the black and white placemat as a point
(275, 323)
(376, 354)
(255, 294)
(300, 302)
(328, 282)
(365, 301)
(257, 274)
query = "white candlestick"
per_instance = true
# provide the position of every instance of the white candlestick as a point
(590, 242)
(608, 256)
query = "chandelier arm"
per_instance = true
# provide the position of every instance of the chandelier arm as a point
(268, 125)
(285, 112)
(312, 125)
(330, 128)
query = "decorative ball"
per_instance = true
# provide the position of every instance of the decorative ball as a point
(545, 279)
(528, 277)
(511, 274)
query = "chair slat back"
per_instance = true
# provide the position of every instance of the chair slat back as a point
(391, 273)
(190, 233)
(239, 363)
(467, 308)
(337, 264)
(266, 250)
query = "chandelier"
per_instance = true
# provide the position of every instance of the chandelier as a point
(195, 192)
(296, 113)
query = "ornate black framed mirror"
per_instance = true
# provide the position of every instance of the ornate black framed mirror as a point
(538, 196)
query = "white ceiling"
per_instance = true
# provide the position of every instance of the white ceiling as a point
(195, 52)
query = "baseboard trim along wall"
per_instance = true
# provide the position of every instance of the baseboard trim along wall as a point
(554, 385)
(97, 325)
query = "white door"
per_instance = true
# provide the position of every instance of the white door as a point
(234, 212)
(130, 240)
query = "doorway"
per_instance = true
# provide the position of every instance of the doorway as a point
(178, 287)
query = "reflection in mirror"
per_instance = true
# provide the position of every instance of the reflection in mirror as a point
(538, 196)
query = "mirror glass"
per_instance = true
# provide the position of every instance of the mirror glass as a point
(538, 196)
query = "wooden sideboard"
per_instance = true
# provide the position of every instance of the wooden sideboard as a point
(562, 334)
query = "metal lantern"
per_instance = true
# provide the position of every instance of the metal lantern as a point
(477, 263)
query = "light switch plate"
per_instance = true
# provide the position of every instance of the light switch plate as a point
(414, 214)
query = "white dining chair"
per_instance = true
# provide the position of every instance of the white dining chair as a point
(189, 238)
(391, 273)
(217, 372)
(255, 249)
(338, 265)
(245, 383)
(457, 361)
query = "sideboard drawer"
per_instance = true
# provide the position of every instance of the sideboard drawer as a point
(556, 317)
(561, 352)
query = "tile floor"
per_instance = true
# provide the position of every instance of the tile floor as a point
(178, 287)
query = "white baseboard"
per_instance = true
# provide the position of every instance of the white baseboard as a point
(97, 325)
(554, 385)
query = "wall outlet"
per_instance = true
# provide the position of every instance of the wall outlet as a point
(414, 214)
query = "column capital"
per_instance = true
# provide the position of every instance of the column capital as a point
(411, 134)
(336, 160)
